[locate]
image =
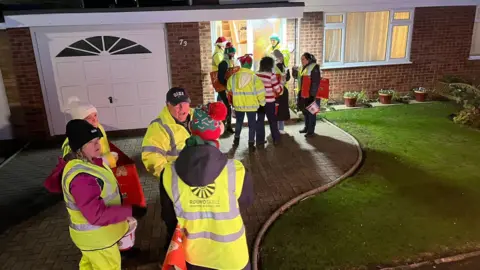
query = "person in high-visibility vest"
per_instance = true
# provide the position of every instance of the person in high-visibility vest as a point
(282, 71)
(98, 220)
(218, 54)
(86, 111)
(309, 78)
(248, 95)
(227, 62)
(276, 45)
(166, 134)
(203, 192)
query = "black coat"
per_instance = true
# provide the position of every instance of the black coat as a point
(283, 107)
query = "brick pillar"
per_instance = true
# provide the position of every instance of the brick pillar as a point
(311, 34)
(185, 58)
(28, 83)
(206, 59)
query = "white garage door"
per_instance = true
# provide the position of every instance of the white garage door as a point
(122, 72)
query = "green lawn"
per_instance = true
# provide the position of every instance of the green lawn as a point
(416, 196)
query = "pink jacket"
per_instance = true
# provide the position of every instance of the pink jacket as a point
(86, 192)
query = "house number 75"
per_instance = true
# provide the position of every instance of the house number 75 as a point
(183, 42)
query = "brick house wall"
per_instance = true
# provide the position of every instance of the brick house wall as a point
(441, 44)
(10, 83)
(23, 86)
(185, 63)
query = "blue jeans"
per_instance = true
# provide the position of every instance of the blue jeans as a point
(281, 125)
(272, 122)
(251, 116)
(310, 119)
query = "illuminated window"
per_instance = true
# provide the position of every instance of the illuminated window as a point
(367, 38)
(475, 49)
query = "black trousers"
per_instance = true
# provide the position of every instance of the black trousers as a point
(224, 99)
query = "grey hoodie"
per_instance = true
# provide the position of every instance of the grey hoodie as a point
(199, 166)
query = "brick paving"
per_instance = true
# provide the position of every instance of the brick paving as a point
(279, 172)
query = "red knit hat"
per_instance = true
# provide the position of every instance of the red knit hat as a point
(207, 121)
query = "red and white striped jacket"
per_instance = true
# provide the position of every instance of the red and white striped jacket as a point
(272, 86)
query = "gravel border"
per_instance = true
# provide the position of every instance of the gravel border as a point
(304, 196)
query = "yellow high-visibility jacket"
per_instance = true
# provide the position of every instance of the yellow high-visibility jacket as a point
(162, 142)
(248, 92)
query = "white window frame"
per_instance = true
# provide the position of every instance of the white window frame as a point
(477, 20)
(388, 60)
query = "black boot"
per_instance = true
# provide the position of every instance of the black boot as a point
(304, 130)
(251, 146)
(236, 142)
(230, 129)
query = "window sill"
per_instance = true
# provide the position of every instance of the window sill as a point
(368, 64)
(476, 57)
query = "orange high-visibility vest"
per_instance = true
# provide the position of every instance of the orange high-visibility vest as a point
(305, 81)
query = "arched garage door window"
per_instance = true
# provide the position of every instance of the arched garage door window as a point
(103, 45)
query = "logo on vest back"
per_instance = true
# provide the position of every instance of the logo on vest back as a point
(204, 192)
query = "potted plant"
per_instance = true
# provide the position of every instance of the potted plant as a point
(420, 94)
(350, 98)
(386, 96)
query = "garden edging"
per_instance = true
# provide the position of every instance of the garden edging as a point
(304, 196)
(454, 258)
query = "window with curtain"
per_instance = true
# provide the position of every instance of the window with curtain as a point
(367, 38)
(475, 50)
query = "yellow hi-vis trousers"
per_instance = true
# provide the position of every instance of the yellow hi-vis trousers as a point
(103, 259)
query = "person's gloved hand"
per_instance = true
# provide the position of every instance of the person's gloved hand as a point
(261, 109)
(295, 72)
(138, 211)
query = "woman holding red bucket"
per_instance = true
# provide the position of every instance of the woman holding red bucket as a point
(99, 224)
(273, 89)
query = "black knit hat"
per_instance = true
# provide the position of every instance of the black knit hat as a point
(80, 132)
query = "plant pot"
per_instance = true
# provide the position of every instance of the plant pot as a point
(350, 102)
(420, 96)
(385, 99)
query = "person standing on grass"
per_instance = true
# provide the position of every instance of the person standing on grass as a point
(282, 71)
(272, 90)
(248, 94)
(203, 192)
(309, 78)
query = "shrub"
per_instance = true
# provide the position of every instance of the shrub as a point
(465, 93)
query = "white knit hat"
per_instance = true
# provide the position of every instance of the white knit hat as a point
(78, 109)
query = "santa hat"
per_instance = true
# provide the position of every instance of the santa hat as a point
(207, 120)
(78, 109)
(246, 61)
(221, 41)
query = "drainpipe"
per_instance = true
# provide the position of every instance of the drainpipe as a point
(297, 41)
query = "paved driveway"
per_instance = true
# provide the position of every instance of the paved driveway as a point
(279, 172)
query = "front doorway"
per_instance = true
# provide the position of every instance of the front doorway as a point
(250, 36)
